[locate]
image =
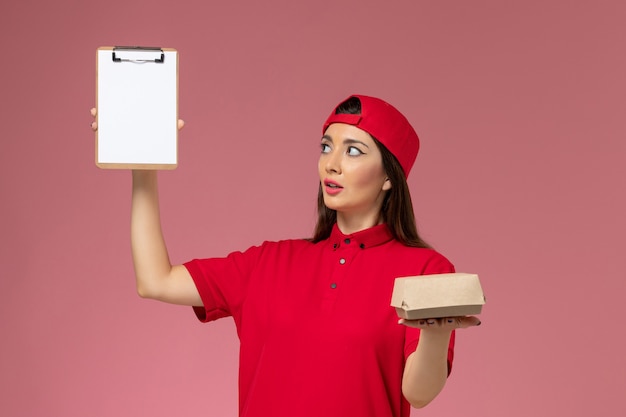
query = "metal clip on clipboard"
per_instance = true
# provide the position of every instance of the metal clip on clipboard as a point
(138, 54)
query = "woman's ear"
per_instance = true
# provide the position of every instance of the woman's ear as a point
(387, 184)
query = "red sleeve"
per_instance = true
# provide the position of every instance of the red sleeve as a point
(437, 264)
(222, 283)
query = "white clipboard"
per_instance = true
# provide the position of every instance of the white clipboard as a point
(137, 108)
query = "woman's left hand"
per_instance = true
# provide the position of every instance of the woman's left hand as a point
(444, 324)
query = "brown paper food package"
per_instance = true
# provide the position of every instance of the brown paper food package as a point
(439, 295)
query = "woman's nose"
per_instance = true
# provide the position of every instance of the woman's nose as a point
(333, 163)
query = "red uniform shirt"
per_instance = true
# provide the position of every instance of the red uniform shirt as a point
(318, 336)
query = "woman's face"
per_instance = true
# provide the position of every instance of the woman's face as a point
(351, 172)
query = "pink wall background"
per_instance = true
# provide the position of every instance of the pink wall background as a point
(520, 107)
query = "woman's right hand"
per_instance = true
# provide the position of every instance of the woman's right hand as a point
(94, 124)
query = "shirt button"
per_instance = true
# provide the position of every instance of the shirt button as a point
(362, 245)
(347, 241)
(333, 285)
(342, 261)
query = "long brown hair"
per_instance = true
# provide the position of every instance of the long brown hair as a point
(397, 208)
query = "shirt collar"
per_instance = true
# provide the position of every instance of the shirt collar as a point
(368, 238)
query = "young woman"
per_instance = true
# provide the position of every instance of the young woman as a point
(317, 334)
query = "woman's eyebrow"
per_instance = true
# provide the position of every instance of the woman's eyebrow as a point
(347, 141)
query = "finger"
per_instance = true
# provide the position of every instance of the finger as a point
(408, 323)
(93, 111)
(462, 322)
(94, 126)
(452, 322)
(421, 323)
(181, 124)
(448, 323)
(468, 321)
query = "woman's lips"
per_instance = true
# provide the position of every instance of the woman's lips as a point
(332, 187)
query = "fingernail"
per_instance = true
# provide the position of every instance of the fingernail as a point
(479, 323)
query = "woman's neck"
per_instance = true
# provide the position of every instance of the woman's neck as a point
(349, 224)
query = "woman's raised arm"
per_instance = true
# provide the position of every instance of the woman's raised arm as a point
(156, 277)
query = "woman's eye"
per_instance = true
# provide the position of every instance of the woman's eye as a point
(325, 148)
(352, 151)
